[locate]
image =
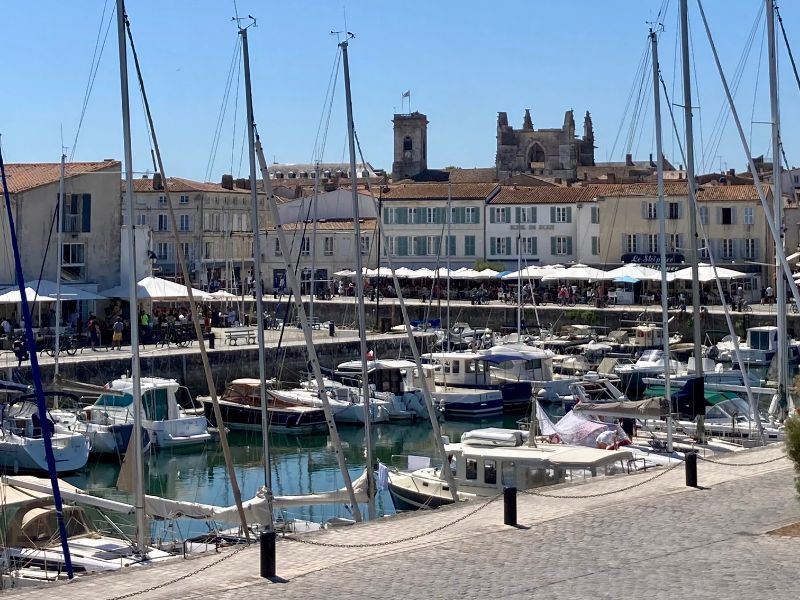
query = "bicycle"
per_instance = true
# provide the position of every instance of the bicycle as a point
(67, 343)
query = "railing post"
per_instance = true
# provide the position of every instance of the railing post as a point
(691, 469)
(510, 506)
(267, 541)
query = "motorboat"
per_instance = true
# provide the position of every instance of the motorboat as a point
(489, 460)
(22, 446)
(759, 348)
(31, 544)
(240, 406)
(650, 363)
(455, 402)
(346, 403)
(168, 422)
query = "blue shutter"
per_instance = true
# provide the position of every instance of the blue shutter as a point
(508, 243)
(552, 244)
(491, 216)
(552, 214)
(86, 213)
(518, 211)
(569, 244)
(569, 214)
(533, 214)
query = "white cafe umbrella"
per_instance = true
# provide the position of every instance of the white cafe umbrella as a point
(488, 274)
(424, 273)
(155, 288)
(11, 295)
(705, 273)
(637, 271)
(345, 273)
(577, 272)
(67, 292)
(404, 273)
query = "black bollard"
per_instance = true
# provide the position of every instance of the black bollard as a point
(211, 341)
(691, 469)
(331, 328)
(267, 541)
(510, 506)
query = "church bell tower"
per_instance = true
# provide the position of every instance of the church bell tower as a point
(410, 145)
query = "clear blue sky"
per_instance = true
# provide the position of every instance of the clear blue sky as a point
(463, 62)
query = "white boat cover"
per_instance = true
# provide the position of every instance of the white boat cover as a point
(649, 408)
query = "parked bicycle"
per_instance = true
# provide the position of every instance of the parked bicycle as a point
(66, 343)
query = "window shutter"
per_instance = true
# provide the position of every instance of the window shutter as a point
(553, 214)
(680, 210)
(443, 215)
(518, 212)
(569, 214)
(508, 245)
(756, 253)
(86, 213)
(401, 216)
(452, 243)
(552, 244)
(534, 245)
(492, 216)
(492, 246)
(402, 246)
(462, 214)
(624, 244)
(533, 214)
(719, 215)
(569, 244)
(644, 211)
(477, 214)
(733, 215)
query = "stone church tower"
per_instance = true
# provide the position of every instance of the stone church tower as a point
(410, 145)
(545, 152)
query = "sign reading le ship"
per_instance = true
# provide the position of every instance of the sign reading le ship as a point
(651, 259)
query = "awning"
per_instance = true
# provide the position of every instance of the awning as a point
(11, 295)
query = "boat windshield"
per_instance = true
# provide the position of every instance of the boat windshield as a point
(650, 356)
(113, 400)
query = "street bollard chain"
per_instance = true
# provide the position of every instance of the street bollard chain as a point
(164, 584)
(753, 464)
(601, 494)
(401, 540)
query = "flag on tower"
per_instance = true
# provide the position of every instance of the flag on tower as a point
(407, 94)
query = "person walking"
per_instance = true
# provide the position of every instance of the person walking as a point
(94, 332)
(116, 338)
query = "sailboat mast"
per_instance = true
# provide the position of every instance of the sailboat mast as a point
(662, 233)
(690, 184)
(313, 243)
(362, 332)
(262, 366)
(777, 197)
(519, 286)
(136, 384)
(447, 253)
(59, 259)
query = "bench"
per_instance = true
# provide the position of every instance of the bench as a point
(234, 335)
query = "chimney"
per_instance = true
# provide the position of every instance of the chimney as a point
(628, 160)
(158, 183)
(611, 177)
(652, 164)
(227, 182)
(732, 172)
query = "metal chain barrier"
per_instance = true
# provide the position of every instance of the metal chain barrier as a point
(164, 584)
(753, 464)
(398, 541)
(601, 494)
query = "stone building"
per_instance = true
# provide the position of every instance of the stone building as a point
(545, 152)
(410, 145)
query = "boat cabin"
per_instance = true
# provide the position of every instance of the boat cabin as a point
(382, 375)
(763, 338)
(647, 336)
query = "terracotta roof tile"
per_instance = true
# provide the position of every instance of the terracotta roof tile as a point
(179, 184)
(510, 194)
(28, 176)
(331, 225)
(439, 191)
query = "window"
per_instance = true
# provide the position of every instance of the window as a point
(652, 243)
(73, 265)
(163, 222)
(401, 246)
(164, 250)
(561, 244)
(434, 244)
(500, 246)
(186, 249)
(208, 250)
(364, 245)
(184, 223)
(305, 246)
(472, 469)
(674, 210)
(673, 242)
(141, 219)
(704, 253)
(651, 210)
(748, 215)
(450, 249)
(629, 244)
(489, 472)
(469, 245)
(327, 245)
(471, 215)
(595, 214)
(162, 200)
(561, 214)
(750, 248)
(76, 216)
(277, 247)
(434, 215)
(727, 249)
(389, 216)
(526, 214)
(595, 245)
(704, 215)
(184, 200)
(529, 246)
(725, 215)
(414, 215)
(500, 214)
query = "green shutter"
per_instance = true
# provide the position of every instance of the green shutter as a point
(508, 245)
(86, 213)
(402, 246)
(569, 214)
(569, 244)
(519, 215)
(491, 216)
(492, 246)
(477, 214)
(401, 214)
(552, 243)
(386, 212)
(534, 245)
(533, 214)
(469, 245)
(452, 243)
(552, 214)
(462, 214)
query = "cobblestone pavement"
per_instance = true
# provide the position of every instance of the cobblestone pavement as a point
(656, 540)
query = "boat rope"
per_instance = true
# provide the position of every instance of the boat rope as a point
(601, 494)
(93, 68)
(409, 538)
(212, 157)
